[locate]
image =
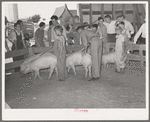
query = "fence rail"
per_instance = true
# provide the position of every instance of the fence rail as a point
(11, 54)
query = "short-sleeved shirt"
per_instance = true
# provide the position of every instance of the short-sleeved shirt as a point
(110, 27)
(128, 26)
(103, 31)
(12, 35)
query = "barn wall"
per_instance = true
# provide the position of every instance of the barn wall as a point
(108, 8)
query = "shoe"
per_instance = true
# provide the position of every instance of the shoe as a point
(122, 71)
(116, 70)
(98, 78)
(61, 80)
(92, 79)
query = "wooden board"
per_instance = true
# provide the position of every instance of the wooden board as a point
(102, 10)
(13, 65)
(16, 53)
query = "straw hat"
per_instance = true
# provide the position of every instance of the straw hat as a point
(85, 24)
(120, 15)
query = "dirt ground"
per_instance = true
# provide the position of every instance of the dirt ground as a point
(112, 91)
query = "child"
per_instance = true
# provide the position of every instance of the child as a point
(86, 26)
(27, 40)
(60, 52)
(119, 51)
(94, 28)
(125, 32)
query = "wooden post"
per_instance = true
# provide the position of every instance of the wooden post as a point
(143, 12)
(102, 10)
(113, 11)
(81, 15)
(134, 17)
(90, 15)
(141, 58)
(124, 9)
(138, 17)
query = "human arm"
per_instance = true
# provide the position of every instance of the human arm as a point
(99, 32)
(138, 34)
(84, 41)
(6, 46)
(52, 35)
(64, 32)
(12, 38)
(130, 28)
(123, 49)
(36, 38)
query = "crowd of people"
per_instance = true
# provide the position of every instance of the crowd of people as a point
(93, 39)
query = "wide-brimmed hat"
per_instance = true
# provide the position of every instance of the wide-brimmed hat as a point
(85, 24)
(120, 15)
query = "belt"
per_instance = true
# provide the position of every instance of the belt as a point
(112, 34)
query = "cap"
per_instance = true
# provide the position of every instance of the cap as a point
(120, 15)
(85, 24)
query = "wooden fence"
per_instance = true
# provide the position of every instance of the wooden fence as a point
(131, 56)
(36, 50)
(109, 47)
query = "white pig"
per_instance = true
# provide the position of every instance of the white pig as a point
(79, 58)
(108, 58)
(42, 62)
(23, 65)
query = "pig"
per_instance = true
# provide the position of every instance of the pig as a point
(108, 58)
(79, 58)
(43, 62)
(23, 65)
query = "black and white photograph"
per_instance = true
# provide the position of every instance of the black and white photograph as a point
(72, 60)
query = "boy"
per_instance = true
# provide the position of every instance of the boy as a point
(119, 51)
(60, 52)
(94, 28)
(128, 25)
(125, 32)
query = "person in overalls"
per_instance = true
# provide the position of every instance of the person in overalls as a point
(16, 36)
(96, 48)
(119, 51)
(60, 52)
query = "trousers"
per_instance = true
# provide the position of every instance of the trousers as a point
(96, 50)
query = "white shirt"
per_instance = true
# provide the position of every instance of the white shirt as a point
(128, 26)
(141, 30)
(110, 27)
